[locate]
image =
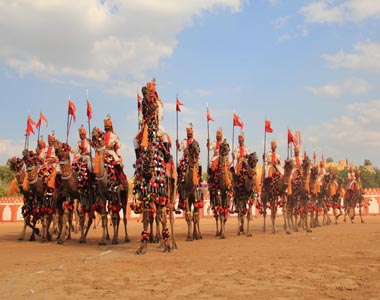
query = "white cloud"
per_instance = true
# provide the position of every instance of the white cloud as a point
(326, 90)
(95, 40)
(349, 87)
(354, 134)
(366, 57)
(10, 148)
(331, 11)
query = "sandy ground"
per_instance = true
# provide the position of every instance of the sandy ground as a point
(333, 262)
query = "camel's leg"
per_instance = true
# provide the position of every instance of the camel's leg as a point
(188, 216)
(65, 218)
(273, 217)
(144, 234)
(115, 224)
(105, 237)
(249, 217)
(125, 222)
(171, 219)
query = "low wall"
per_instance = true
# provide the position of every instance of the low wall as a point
(10, 207)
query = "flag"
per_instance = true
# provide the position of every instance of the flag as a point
(89, 111)
(29, 126)
(290, 137)
(208, 116)
(72, 109)
(314, 156)
(237, 121)
(139, 99)
(42, 118)
(178, 104)
(268, 126)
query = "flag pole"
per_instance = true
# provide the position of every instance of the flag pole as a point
(233, 136)
(176, 151)
(68, 125)
(265, 140)
(208, 139)
(89, 129)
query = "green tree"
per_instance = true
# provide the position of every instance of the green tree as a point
(367, 162)
(329, 160)
(6, 177)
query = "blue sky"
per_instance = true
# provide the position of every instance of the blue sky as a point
(311, 66)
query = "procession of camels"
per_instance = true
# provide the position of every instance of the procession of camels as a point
(62, 193)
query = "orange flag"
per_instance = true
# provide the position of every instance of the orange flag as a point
(208, 116)
(268, 127)
(89, 111)
(237, 121)
(29, 126)
(42, 118)
(72, 109)
(178, 105)
(290, 137)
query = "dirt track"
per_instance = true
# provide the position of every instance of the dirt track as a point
(333, 262)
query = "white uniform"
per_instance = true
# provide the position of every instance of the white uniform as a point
(83, 148)
(268, 163)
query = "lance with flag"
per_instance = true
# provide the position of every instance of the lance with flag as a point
(38, 125)
(178, 109)
(208, 118)
(291, 140)
(89, 117)
(236, 121)
(29, 129)
(70, 116)
(267, 128)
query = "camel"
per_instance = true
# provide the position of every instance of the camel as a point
(301, 196)
(354, 198)
(42, 184)
(190, 195)
(76, 192)
(221, 189)
(246, 189)
(28, 209)
(275, 188)
(107, 187)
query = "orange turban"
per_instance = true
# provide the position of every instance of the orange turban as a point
(189, 130)
(273, 144)
(82, 130)
(296, 150)
(41, 144)
(51, 138)
(241, 138)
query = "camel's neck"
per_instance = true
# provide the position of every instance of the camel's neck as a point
(99, 162)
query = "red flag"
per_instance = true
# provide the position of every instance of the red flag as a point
(72, 109)
(29, 126)
(178, 104)
(208, 116)
(42, 118)
(139, 99)
(89, 111)
(314, 156)
(267, 126)
(237, 121)
(290, 137)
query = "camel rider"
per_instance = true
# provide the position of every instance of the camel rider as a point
(351, 176)
(150, 96)
(240, 152)
(297, 164)
(321, 172)
(215, 146)
(40, 149)
(272, 162)
(49, 157)
(184, 146)
(83, 148)
(112, 144)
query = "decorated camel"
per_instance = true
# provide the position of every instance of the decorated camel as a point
(246, 189)
(274, 194)
(353, 199)
(155, 174)
(41, 181)
(221, 189)
(29, 209)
